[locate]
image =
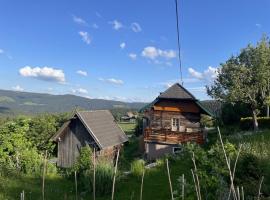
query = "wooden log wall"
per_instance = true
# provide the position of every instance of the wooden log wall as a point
(162, 119)
(75, 137)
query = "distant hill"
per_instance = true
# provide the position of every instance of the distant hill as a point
(12, 102)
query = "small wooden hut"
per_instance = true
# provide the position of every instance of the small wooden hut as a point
(97, 129)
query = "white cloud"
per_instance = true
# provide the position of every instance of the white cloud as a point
(209, 74)
(116, 24)
(83, 73)
(195, 73)
(79, 20)
(112, 81)
(85, 37)
(43, 73)
(167, 53)
(95, 26)
(1, 51)
(120, 98)
(153, 53)
(197, 89)
(133, 56)
(136, 27)
(122, 45)
(18, 88)
(150, 52)
(79, 91)
(258, 25)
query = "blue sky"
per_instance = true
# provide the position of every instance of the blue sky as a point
(123, 49)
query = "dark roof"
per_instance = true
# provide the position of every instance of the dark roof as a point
(102, 127)
(176, 91)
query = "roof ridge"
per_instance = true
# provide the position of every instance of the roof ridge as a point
(177, 91)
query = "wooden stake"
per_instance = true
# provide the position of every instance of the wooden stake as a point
(196, 176)
(22, 195)
(169, 177)
(242, 191)
(260, 186)
(194, 180)
(183, 186)
(94, 174)
(115, 171)
(228, 165)
(142, 185)
(234, 168)
(76, 185)
(43, 176)
(238, 193)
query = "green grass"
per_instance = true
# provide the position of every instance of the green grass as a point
(56, 187)
(156, 184)
(128, 128)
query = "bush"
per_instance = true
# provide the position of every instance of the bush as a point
(207, 121)
(248, 174)
(104, 172)
(247, 123)
(17, 152)
(139, 126)
(137, 167)
(84, 161)
(103, 178)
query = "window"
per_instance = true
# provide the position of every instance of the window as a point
(177, 150)
(175, 124)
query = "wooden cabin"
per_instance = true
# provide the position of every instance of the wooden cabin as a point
(97, 129)
(172, 119)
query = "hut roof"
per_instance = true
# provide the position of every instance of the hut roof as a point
(101, 125)
(176, 91)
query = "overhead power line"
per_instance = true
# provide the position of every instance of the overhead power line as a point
(178, 41)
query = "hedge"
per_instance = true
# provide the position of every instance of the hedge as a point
(247, 123)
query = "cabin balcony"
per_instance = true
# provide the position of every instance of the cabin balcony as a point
(167, 136)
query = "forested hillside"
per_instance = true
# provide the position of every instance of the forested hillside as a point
(12, 102)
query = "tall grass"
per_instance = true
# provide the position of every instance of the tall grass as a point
(137, 167)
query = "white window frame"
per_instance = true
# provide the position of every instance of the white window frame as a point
(174, 121)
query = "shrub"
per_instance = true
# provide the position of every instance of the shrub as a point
(104, 177)
(84, 161)
(104, 173)
(137, 167)
(247, 123)
(17, 152)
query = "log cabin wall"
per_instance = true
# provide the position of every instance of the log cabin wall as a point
(163, 119)
(162, 112)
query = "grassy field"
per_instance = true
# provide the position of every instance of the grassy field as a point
(128, 128)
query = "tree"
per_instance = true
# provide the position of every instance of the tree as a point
(262, 55)
(245, 78)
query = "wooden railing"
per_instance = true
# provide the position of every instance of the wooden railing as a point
(173, 137)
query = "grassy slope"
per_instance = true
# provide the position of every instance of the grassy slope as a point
(155, 185)
(128, 128)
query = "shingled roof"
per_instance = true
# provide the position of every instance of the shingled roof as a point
(176, 91)
(101, 125)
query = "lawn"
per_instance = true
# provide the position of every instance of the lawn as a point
(128, 128)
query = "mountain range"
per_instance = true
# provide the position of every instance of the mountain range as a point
(13, 102)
